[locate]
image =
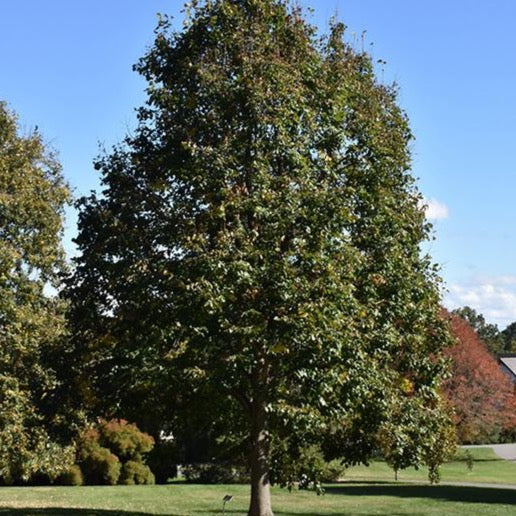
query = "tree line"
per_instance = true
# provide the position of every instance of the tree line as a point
(497, 341)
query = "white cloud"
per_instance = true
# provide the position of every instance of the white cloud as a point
(494, 298)
(506, 281)
(435, 210)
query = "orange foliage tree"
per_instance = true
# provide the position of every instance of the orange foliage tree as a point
(482, 395)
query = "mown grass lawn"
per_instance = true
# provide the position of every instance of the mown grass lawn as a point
(181, 500)
(378, 494)
(487, 468)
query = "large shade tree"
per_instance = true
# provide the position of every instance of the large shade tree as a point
(258, 237)
(32, 197)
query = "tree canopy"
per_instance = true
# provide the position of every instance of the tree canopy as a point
(482, 395)
(487, 332)
(32, 197)
(258, 237)
(509, 338)
(496, 341)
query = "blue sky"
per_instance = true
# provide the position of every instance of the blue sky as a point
(66, 67)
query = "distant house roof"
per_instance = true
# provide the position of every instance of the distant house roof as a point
(508, 361)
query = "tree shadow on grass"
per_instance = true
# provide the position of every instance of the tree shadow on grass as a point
(61, 511)
(312, 513)
(478, 461)
(317, 513)
(466, 494)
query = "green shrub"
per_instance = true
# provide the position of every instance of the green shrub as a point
(210, 473)
(71, 477)
(134, 473)
(303, 467)
(163, 460)
(332, 471)
(124, 439)
(101, 467)
(112, 448)
(98, 464)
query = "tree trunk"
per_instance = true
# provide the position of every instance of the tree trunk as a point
(260, 486)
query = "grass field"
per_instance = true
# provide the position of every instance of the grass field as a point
(366, 492)
(487, 468)
(181, 500)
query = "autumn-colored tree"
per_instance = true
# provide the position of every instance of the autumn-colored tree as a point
(488, 333)
(482, 395)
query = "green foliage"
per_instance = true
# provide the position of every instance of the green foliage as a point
(112, 452)
(124, 439)
(72, 476)
(333, 472)
(439, 447)
(509, 338)
(469, 460)
(214, 473)
(412, 437)
(312, 469)
(134, 473)
(32, 198)
(98, 465)
(163, 460)
(259, 237)
(305, 467)
(497, 341)
(488, 333)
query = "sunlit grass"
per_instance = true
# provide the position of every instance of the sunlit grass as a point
(366, 491)
(181, 500)
(487, 468)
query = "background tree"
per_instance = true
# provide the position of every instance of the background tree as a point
(32, 197)
(509, 338)
(258, 237)
(488, 333)
(411, 437)
(482, 395)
